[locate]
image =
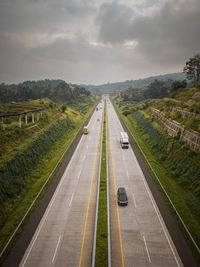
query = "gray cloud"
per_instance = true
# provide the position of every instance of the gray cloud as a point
(38, 16)
(167, 36)
(86, 41)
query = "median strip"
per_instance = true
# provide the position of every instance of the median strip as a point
(101, 258)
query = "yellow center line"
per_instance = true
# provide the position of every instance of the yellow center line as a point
(94, 164)
(113, 169)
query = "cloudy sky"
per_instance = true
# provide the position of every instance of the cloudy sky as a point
(96, 41)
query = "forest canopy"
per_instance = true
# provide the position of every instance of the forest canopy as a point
(56, 90)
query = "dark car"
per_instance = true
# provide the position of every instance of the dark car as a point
(122, 196)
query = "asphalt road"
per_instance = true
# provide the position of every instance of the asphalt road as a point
(64, 236)
(139, 236)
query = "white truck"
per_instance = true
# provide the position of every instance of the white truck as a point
(124, 141)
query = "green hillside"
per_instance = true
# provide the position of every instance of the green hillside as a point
(118, 86)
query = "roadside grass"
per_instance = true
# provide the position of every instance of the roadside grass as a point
(13, 136)
(101, 239)
(17, 207)
(178, 194)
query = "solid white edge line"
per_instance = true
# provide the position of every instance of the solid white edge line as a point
(108, 199)
(156, 209)
(166, 235)
(56, 249)
(145, 243)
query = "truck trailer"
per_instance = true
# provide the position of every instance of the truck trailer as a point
(124, 141)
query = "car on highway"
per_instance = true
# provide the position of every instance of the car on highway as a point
(122, 196)
(85, 130)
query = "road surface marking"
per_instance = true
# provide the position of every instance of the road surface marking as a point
(71, 200)
(49, 206)
(113, 169)
(94, 164)
(134, 200)
(156, 210)
(79, 174)
(147, 249)
(56, 249)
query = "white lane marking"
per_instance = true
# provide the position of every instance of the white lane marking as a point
(146, 249)
(56, 249)
(155, 207)
(123, 156)
(127, 174)
(51, 203)
(134, 200)
(79, 174)
(83, 157)
(71, 200)
(156, 210)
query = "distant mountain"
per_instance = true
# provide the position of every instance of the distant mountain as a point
(118, 86)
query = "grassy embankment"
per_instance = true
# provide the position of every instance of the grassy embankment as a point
(174, 163)
(56, 129)
(102, 240)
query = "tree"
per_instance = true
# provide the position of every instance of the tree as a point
(192, 68)
(63, 108)
(157, 89)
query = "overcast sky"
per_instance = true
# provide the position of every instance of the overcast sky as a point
(96, 41)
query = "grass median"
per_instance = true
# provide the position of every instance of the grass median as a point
(102, 237)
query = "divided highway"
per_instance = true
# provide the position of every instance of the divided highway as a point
(64, 236)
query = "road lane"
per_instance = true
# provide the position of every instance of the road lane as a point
(145, 239)
(59, 236)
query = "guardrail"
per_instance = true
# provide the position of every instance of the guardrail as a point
(108, 200)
